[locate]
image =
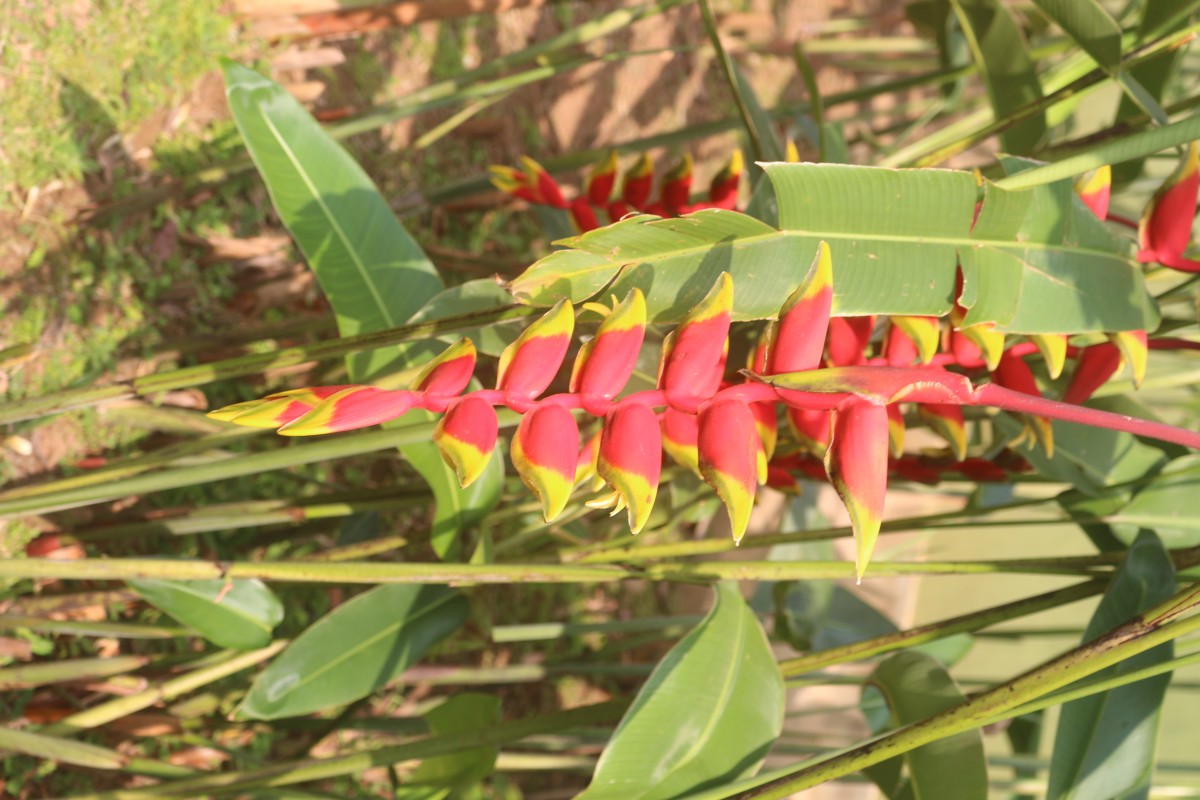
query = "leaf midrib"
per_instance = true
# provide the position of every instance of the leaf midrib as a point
(334, 223)
(347, 654)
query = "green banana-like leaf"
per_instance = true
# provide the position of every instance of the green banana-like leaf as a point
(917, 686)
(706, 716)
(240, 613)
(1036, 262)
(374, 273)
(1002, 53)
(1090, 25)
(1104, 745)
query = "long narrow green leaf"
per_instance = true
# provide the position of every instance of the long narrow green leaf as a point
(707, 715)
(1002, 53)
(916, 687)
(455, 772)
(1104, 745)
(53, 748)
(1089, 25)
(355, 649)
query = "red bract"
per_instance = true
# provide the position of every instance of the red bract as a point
(630, 460)
(1165, 230)
(857, 462)
(449, 373)
(847, 415)
(528, 365)
(694, 353)
(607, 360)
(602, 179)
(466, 437)
(1094, 190)
(723, 191)
(545, 452)
(351, 408)
(677, 187)
(728, 451)
(584, 217)
(635, 191)
(848, 340)
(798, 339)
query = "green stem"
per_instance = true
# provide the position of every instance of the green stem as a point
(77, 669)
(1148, 630)
(293, 772)
(966, 623)
(117, 630)
(541, 631)
(369, 572)
(731, 78)
(117, 708)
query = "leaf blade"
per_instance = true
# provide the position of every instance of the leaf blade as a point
(355, 649)
(239, 613)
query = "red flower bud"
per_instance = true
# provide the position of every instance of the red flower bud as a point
(680, 434)
(677, 186)
(1093, 368)
(848, 340)
(276, 409)
(811, 428)
(583, 215)
(946, 420)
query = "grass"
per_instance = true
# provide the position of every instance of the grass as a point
(69, 80)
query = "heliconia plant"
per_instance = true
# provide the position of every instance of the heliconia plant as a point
(816, 370)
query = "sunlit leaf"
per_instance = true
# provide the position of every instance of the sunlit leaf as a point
(462, 713)
(355, 649)
(705, 716)
(240, 613)
(1104, 744)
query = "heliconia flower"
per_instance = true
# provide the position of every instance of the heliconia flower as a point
(529, 364)
(946, 420)
(728, 451)
(680, 433)
(677, 186)
(781, 480)
(546, 186)
(449, 373)
(798, 339)
(275, 409)
(1053, 347)
(988, 342)
(466, 437)
(631, 459)
(1165, 229)
(693, 354)
(791, 153)
(1094, 190)
(848, 340)
(1013, 373)
(618, 210)
(583, 215)
(1134, 349)
(895, 430)
(635, 189)
(602, 179)
(545, 452)
(723, 191)
(606, 361)
(810, 426)
(925, 333)
(351, 408)
(1094, 366)
(513, 181)
(857, 464)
